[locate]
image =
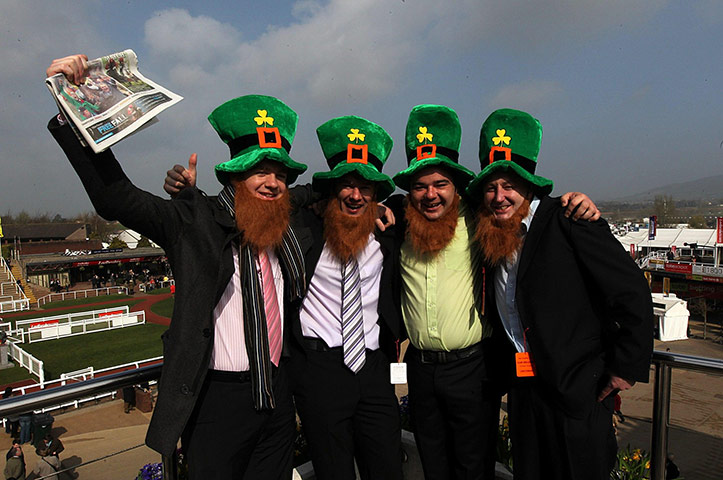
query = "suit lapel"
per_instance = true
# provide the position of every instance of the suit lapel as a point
(543, 214)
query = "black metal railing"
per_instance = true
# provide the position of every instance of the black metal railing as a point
(664, 363)
(88, 388)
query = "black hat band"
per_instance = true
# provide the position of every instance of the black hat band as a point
(348, 156)
(264, 138)
(447, 152)
(503, 153)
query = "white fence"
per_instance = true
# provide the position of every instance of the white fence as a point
(80, 323)
(93, 292)
(14, 305)
(24, 359)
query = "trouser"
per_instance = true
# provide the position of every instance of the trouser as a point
(26, 428)
(347, 416)
(549, 444)
(227, 438)
(454, 411)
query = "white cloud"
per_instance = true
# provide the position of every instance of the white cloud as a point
(197, 41)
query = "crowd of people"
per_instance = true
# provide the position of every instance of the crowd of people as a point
(48, 464)
(296, 300)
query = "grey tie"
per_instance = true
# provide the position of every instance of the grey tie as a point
(352, 320)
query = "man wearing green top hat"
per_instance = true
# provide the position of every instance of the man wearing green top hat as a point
(346, 329)
(453, 401)
(569, 305)
(238, 266)
(345, 333)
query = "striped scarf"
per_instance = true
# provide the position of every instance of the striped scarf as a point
(257, 340)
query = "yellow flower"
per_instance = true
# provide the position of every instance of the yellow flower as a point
(647, 465)
(422, 135)
(636, 454)
(355, 135)
(501, 137)
(262, 118)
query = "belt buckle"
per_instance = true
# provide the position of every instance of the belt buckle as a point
(432, 357)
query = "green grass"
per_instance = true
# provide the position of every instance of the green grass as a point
(99, 350)
(41, 314)
(84, 301)
(163, 308)
(15, 374)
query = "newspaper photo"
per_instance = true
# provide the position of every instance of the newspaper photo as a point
(114, 101)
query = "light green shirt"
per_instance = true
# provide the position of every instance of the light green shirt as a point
(440, 303)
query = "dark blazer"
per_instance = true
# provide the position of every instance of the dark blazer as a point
(585, 307)
(196, 234)
(309, 229)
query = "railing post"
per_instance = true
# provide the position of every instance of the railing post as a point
(170, 466)
(661, 419)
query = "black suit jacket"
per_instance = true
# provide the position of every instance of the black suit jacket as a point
(309, 229)
(197, 235)
(585, 307)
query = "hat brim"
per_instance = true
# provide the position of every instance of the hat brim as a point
(246, 161)
(323, 181)
(542, 185)
(462, 175)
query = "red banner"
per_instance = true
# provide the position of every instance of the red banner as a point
(115, 312)
(47, 323)
(719, 229)
(632, 250)
(679, 267)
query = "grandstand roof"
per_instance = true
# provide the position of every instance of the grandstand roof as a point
(668, 237)
(98, 257)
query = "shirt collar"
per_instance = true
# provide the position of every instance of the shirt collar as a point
(533, 208)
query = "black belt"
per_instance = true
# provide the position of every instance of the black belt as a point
(230, 377)
(319, 345)
(430, 356)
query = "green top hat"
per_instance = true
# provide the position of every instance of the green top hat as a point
(510, 140)
(432, 139)
(354, 144)
(256, 128)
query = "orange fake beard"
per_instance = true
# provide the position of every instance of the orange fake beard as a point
(429, 237)
(347, 235)
(500, 239)
(262, 222)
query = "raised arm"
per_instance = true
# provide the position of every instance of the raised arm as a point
(109, 189)
(74, 67)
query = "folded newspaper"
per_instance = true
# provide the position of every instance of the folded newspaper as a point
(114, 101)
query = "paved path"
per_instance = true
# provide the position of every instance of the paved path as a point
(147, 303)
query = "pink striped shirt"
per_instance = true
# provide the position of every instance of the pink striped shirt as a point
(229, 345)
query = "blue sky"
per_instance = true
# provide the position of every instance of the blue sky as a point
(629, 92)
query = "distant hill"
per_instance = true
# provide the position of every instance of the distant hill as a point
(708, 189)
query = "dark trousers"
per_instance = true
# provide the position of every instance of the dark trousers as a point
(227, 438)
(548, 444)
(455, 415)
(347, 416)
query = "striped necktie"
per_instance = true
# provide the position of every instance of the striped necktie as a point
(271, 306)
(352, 321)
